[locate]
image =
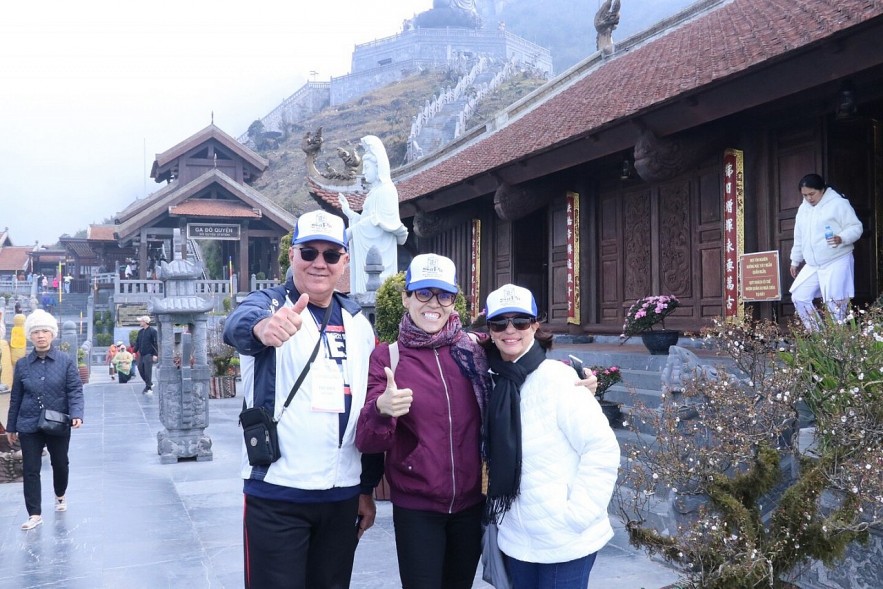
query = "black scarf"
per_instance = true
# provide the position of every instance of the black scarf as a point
(503, 429)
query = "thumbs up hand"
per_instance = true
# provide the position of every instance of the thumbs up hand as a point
(282, 325)
(394, 402)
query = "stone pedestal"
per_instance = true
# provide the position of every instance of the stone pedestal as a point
(182, 385)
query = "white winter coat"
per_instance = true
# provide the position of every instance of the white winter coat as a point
(809, 230)
(570, 459)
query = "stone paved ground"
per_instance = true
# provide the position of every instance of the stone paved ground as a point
(135, 523)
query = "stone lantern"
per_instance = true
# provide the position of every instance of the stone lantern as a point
(183, 373)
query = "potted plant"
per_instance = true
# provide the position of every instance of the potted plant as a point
(607, 377)
(224, 364)
(82, 365)
(644, 315)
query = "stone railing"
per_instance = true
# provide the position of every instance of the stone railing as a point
(434, 106)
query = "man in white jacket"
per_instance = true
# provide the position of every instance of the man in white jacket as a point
(825, 229)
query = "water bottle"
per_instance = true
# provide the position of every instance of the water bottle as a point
(829, 233)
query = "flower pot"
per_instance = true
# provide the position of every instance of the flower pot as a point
(84, 374)
(658, 342)
(612, 412)
(222, 387)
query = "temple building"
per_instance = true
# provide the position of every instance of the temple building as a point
(650, 168)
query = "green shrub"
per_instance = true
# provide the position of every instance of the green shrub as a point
(133, 335)
(103, 339)
(227, 304)
(389, 308)
(284, 246)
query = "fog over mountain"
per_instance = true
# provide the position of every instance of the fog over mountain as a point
(567, 27)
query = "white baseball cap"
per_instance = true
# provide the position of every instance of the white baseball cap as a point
(431, 271)
(510, 299)
(319, 226)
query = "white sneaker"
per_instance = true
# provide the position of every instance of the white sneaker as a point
(60, 504)
(33, 522)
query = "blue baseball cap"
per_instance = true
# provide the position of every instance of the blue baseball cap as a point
(431, 271)
(319, 226)
(510, 299)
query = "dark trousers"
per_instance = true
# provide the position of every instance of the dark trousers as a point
(437, 550)
(32, 460)
(145, 369)
(573, 574)
(299, 545)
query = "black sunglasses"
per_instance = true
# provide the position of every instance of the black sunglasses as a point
(519, 323)
(444, 298)
(308, 254)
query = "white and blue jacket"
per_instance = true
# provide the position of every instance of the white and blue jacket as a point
(314, 457)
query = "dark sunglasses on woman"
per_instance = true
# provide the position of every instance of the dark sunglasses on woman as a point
(445, 299)
(519, 323)
(308, 254)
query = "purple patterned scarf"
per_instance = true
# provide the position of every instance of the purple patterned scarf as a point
(468, 355)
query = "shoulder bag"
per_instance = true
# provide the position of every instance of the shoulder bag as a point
(52, 422)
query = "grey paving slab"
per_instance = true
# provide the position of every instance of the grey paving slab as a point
(134, 522)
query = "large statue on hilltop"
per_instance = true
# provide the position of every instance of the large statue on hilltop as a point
(450, 13)
(378, 224)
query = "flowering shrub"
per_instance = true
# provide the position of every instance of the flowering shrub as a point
(647, 312)
(607, 377)
(748, 511)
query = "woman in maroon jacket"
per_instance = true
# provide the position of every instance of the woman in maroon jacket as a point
(426, 415)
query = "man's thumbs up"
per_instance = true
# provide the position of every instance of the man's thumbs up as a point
(394, 402)
(282, 325)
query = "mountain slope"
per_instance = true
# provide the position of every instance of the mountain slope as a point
(386, 112)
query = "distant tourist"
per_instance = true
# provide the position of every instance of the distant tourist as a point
(825, 229)
(147, 350)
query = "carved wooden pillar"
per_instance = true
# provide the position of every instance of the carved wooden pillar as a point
(243, 285)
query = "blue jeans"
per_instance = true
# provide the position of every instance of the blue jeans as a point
(557, 575)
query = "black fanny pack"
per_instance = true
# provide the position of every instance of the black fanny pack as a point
(261, 439)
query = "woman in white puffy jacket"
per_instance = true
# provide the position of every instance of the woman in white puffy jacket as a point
(825, 228)
(552, 457)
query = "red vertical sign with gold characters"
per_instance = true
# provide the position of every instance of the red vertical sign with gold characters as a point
(475, 268)
(573, 293)
(734, 229)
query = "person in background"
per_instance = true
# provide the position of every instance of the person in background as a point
(147, 351)
(18, 339)
(825, 229)
(551, 454)
(305, 512)
(426, 415)
(122, 363)
(46, 378)
(112, 350)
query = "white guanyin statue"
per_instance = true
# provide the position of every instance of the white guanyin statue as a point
(378, 224)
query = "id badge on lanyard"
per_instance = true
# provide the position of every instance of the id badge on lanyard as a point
(327, 386)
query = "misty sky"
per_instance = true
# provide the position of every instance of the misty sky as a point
(92, 90)
(87, 88)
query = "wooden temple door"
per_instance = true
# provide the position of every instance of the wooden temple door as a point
(854, 148)
(663, 238)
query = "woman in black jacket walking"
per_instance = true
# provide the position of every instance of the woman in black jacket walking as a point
(46, 378)
(146, 350)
